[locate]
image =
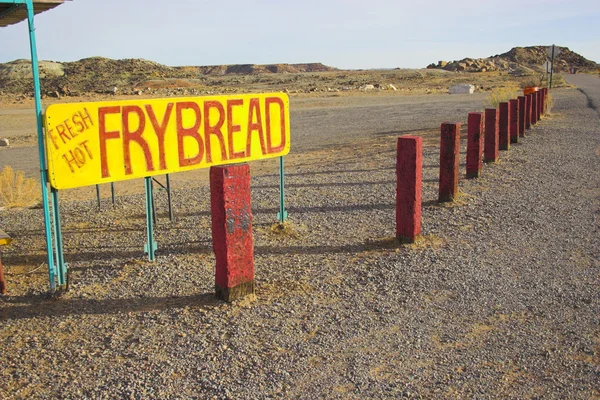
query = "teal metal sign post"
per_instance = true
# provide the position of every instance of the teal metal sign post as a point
(282, 214)
(53, 273)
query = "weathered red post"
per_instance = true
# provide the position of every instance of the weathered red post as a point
(543, 102)
(534, 108)
(522, 108)
(474, 144)
(538, 115)
(409, 178)
(528, 107)
(2, 280)
(504, 124)
(232, 231)
(513, 105)
(449, 161)
(490, 151)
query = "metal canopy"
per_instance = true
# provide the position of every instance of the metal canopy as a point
(15, 11)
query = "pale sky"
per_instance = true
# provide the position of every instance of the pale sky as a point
(341, 33)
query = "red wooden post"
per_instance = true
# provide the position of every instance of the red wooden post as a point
(543, 102)
(409, 178)
(513, 105)
(539, 104)
(522, 108)
(504, 134)
(534, 108)
(2, 280)
(449, 161)
(232, 231)
(490, 151)
(528, 106)
(474, 144)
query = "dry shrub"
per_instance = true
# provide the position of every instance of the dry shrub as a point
(16, 190)
(531, 81)
(500, 95)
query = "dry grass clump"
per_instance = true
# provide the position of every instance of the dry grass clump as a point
(500, 95)
(16, 190)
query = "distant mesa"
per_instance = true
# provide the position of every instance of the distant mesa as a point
(519, 61)
(101, 75)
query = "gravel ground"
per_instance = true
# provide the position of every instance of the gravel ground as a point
(499, 300)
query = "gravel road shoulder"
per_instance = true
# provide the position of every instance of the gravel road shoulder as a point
(500, 299)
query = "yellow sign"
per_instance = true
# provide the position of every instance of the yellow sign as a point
(100, 142)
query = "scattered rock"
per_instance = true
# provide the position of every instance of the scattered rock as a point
(462, 88)
(4, 142)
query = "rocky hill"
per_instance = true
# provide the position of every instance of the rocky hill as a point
(520, 61)
(102, 75)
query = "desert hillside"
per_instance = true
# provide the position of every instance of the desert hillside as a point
(520, 60)
(104, 76)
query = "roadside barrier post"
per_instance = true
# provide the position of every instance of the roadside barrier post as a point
(233, 244)
(474, 144)
(538, 99)
(513, 105)
(504, 134)
(449, 161)
(534, 108)
(490, 151)
(522, 107)
(409, 177)
(528, 107)
(543, 102)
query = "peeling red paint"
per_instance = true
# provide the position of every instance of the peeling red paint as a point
(522, 107)
(491, 135)
(449, 161)
(409, 173)
(504, 124)
(232, 230)
(513, 125)
(474, 144)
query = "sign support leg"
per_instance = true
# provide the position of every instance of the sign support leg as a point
(112, 192)
(61, 266)
(151, 246)
(98, 195)
(169, 199)
(40, 139)
(282, 214)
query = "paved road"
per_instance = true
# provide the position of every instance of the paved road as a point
(588, 85)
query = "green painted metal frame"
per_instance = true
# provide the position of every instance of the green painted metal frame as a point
(151, 246)
(282, 214)
(54, 270)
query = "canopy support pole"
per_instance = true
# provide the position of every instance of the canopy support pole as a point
(41, 150)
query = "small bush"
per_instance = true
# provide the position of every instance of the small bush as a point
(500, 95)
(16, 190)
(531, 81)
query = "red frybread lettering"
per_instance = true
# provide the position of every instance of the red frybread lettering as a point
(71, 161)
(106, 135)
(192, 132)
(134, 136)
(60, 129)
(282, 143)
(231, 128)
(53, 137)
(78, 121)
(214, 130)
(255, 126)
(160, 130)
(86, 117)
